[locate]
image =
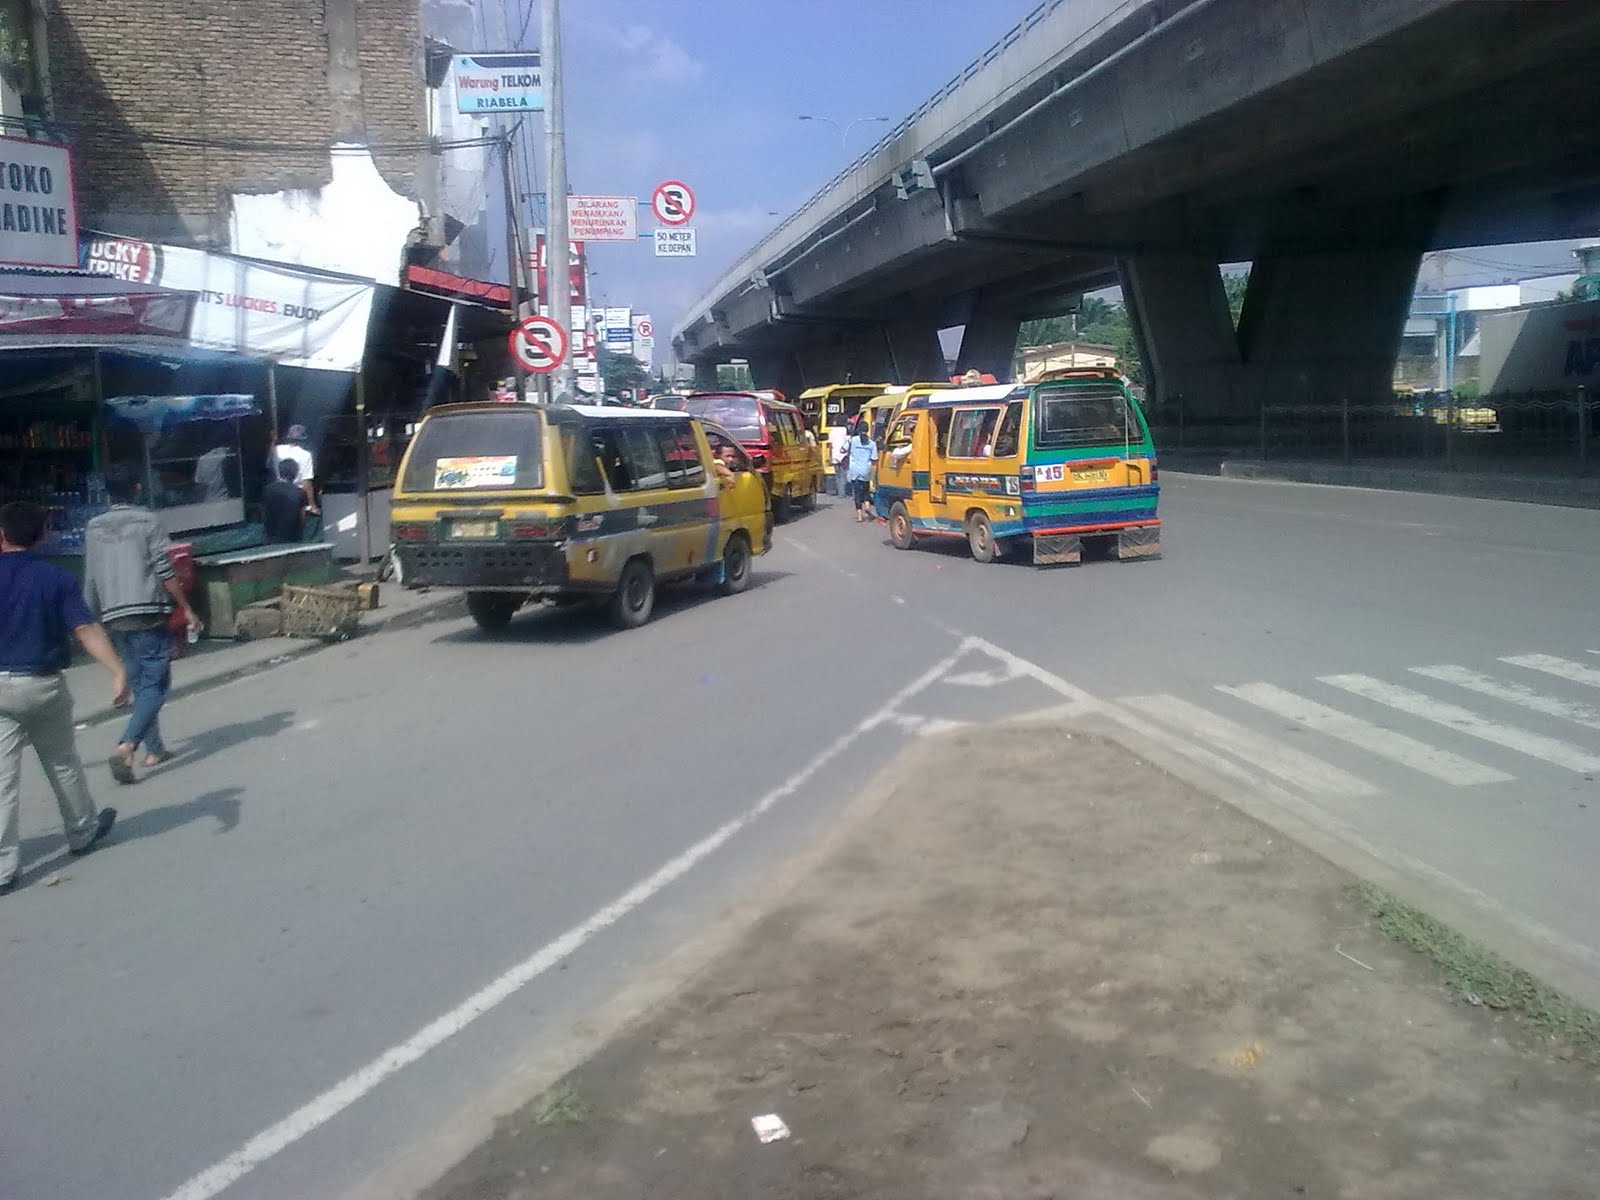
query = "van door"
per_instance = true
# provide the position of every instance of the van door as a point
(652, 500)
(898, 464)
(693, 513)
(938, 436)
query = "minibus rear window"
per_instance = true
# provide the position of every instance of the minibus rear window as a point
(474, 451)
(739, 415)
(1083, 416)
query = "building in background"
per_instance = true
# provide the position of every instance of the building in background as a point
(209, 123)
(1035, 361)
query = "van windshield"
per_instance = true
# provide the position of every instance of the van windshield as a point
(1095, 415)
(476, 450)
(739, 415)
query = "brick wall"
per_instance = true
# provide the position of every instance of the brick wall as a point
(240, 70)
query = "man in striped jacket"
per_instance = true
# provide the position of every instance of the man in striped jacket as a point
(129, 580)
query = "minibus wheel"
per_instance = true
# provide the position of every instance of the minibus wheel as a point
(980, 538)
(736, 565)
(900, 527)
(492, 610)
(635, 597)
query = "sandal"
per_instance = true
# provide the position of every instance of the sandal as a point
(122, 769)
(156, 760)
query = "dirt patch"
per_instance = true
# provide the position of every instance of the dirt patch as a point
(1043, 968)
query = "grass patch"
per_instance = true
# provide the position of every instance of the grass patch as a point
(1473, 970)
(561, 1106)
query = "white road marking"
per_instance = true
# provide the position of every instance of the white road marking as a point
(1374, 739)
(1289, 764)
(1464, 720)
(1514, 693)
(981, 679)
(1559, 667)
(319, 1111)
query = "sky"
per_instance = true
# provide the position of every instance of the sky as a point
(710, 92)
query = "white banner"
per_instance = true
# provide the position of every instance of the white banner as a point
(38, 214)
(602, 218)
(251, 308)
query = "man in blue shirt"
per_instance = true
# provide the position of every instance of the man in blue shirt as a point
(40, 605)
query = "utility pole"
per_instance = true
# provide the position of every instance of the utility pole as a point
(512, 217)
(558, 245)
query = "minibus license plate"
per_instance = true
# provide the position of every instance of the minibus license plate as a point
(1096, 476)
(473, 529)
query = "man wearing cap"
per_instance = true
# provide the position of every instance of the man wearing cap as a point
(293, 449)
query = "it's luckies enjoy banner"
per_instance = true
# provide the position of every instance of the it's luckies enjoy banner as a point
(256, 309)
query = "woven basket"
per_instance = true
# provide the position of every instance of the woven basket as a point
(319, 612)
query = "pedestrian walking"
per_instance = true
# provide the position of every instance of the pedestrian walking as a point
(40, 606)
(130, 582)
(863, 454)
(839, 459)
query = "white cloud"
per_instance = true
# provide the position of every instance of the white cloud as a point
(661, 60)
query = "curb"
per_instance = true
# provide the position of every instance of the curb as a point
(294, 650)
(1573, 491)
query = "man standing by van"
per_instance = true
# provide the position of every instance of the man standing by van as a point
(40, 605)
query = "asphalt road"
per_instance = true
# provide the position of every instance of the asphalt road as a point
(380, 874)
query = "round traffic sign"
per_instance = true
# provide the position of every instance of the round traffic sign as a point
(645, 328)
(539, 344)
(672, 202)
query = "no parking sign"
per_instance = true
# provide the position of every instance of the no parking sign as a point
(539, 344)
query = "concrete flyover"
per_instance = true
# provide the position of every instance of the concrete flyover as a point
(1330, 142)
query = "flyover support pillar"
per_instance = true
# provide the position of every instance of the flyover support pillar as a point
(780, 369)
(1184, 332)
(989, 342)
(705, 375)
(915, 354)
(1317, 328)
(1323, 328)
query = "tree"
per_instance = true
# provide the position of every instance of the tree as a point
(1097, 321)
(1233, 286)
(621, 372)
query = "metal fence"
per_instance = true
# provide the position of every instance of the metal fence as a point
(1554, 428)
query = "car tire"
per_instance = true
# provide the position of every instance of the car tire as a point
(635, 597)
(783, 505)
(809, 503)
(492, 610)
(736, 559)
(980, 539)
(900, 531)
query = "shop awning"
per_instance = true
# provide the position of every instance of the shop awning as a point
(155, 414)
(42, 311)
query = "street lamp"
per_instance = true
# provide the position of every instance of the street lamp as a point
(844, 130)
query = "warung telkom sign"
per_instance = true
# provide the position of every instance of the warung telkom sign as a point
(491, 83)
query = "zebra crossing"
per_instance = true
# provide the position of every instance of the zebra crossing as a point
(1463, 726)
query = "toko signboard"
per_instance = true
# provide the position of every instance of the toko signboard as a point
(38, 214)
(498, 83)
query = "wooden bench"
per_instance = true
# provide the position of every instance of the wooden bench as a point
(228, 582)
